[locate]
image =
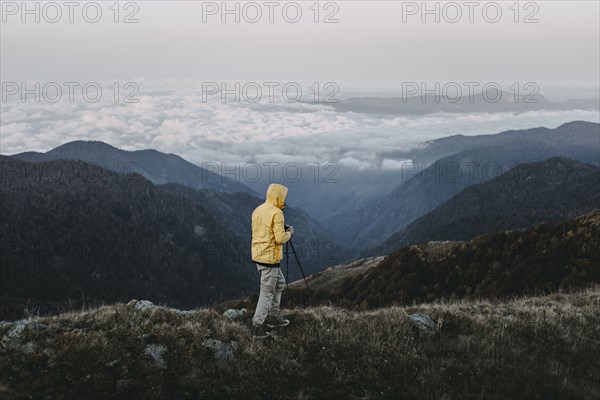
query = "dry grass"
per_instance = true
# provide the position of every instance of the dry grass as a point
(543, 347)
(332, 277)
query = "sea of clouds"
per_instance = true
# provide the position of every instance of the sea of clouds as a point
(176, 118)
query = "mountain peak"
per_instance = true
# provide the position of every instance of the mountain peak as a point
(86, 145)
(578, 124)
(156, 166)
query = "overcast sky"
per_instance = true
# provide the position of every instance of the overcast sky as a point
(369, 43)
(373, 48)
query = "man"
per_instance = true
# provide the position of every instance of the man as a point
(268, 236)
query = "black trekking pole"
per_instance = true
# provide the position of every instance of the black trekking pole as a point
(297, 261)
(287, 264)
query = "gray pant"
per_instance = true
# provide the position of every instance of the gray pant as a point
(272, 283)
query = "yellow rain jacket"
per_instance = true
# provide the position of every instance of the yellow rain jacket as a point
(268, 227)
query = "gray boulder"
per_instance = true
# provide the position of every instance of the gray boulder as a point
(422, 322)
(143, 305)
(235, 315)
(222, 351)
(12, 338)
(157, 353)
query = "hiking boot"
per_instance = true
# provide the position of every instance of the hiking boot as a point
(259, 332)
(277, 321)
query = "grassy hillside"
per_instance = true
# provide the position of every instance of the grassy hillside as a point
(544, 347)
(538, 260)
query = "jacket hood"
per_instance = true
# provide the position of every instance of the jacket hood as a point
(276, 195)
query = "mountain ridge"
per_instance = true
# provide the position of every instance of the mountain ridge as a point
(552, 190)
(367, 225)
(155, 165)
(435, 103)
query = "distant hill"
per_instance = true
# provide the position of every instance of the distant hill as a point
(75, 231)
(313, 243)
(370, 224)
(552, 190)
(542, 259)
(88, 235)
(428, 103)
(157, 167)
(583, 133)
